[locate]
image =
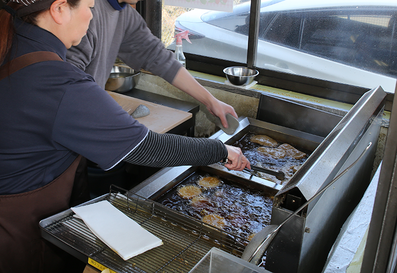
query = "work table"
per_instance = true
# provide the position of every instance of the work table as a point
(186, 127)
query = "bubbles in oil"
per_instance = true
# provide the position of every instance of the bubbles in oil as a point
(288, 165)
(245, 211)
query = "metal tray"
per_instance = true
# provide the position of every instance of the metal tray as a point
(185, 239)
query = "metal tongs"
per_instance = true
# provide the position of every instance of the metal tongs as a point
(278, 174)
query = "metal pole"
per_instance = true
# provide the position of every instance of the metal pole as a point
(153, 16)
(380, 244)
(253, 33)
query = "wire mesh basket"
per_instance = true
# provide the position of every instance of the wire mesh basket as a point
(185, 239)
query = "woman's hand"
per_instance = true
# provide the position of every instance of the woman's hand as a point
(235, 159)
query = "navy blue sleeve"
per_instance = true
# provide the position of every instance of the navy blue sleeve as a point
(90, 122)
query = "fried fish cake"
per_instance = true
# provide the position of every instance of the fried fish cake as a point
(209, 182)
(276, 153)
(199, 201)
(292, 151)
(264, 140)
(214, 220)
(189, 191)
(269, 177)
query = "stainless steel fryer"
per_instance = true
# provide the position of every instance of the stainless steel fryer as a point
(167, 178)
(185, 240)
(308, 237)
(302, 245)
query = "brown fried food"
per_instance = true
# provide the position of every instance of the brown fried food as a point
(209, 182)
(264, 140)
(272, 152)
(214, 220)
(292, 151)
(189, 191)
(291, 169)
(249, 238)
(199, 201)
(269, 177)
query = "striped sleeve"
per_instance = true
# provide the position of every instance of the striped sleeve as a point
(168, 150)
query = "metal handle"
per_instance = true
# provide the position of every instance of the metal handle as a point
(278, 174)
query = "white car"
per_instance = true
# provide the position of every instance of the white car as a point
(352, 42)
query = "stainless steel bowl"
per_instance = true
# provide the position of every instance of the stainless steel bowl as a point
(122, 79)
(240, 75)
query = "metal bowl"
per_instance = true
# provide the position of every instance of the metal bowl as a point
(122, 79)
(240, 75)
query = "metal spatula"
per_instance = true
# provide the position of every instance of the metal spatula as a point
(254, 251)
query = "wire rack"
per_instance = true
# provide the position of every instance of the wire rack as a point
(185, 239)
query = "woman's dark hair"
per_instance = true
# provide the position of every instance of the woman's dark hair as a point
(7, 31)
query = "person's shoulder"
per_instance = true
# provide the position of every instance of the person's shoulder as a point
(67, 71)
(103, 6)
(129, 11)
(102, 9)
(77, 73)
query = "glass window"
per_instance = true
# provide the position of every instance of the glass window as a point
(312, 39)
(169, 16)
(284, 29)
(360, 40)
(216, 34)
(229, 20)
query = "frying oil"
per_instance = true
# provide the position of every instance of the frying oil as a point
(245, 211)
(288, 165)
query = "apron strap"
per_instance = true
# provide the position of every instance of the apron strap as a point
(26, 60)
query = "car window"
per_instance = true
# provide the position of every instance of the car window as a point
(238, 20)
(361, 40)
(229, 20)
(284, 28)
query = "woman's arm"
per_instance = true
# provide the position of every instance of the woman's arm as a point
(187, 83)
(168, 150)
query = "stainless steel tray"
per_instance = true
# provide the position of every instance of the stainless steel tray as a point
(185, 239)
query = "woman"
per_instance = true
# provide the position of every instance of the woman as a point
(51, 114)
